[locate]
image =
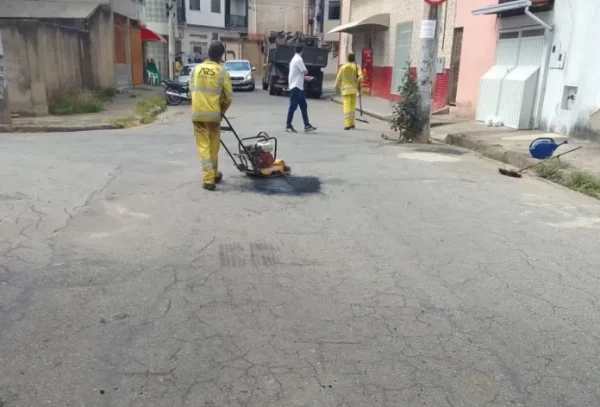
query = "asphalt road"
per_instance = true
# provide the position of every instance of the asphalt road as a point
(378, 275)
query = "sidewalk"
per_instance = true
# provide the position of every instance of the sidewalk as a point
(380, 108)
(123, 105)
(500, 143)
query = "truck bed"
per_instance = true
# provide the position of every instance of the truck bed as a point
(312, 56)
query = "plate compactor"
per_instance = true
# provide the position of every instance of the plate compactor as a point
(256, 156)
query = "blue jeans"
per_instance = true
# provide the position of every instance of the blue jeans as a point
(297, 98)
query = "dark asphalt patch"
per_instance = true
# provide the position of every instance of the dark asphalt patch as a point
(294, 186)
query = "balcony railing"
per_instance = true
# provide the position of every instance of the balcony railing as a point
(235, 21)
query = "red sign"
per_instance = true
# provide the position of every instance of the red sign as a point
(367, 68)
(435, 3)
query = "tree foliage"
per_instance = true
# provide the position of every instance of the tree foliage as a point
(407, 116)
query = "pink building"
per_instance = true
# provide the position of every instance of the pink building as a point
(478, 49)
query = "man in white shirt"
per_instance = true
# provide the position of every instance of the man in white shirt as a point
(296, 84)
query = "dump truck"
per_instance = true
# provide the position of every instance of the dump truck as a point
(278, 51)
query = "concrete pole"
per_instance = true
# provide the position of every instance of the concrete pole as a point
(171, 8)
(427, 65)
(5, 117)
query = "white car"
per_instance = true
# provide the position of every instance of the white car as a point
(241, 74)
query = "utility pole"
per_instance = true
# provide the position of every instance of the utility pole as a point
(5, 117)
(427, 62)
(171, 20)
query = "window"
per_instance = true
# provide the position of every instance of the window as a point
(237, 66)
(194, 4)
(334, 10)
(215, 6)
(401, 54)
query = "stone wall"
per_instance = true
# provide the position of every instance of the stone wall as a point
(45, 60)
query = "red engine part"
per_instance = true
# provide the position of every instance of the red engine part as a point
(266, 160)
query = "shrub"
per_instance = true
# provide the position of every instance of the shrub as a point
(407, 117)
(148, 108)
(77, 103)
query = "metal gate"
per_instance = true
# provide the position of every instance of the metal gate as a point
(509, 89)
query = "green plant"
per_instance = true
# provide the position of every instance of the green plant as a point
(552, 170)
(407, 117)
(585, 183)
(77, 103)
(147, 109)
(125, 122)
(106, 94)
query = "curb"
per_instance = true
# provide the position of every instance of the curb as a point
(494, 152)
(385, 118)
(36, 128)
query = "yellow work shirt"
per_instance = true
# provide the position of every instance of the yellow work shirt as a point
(348, 79)
(212, 94)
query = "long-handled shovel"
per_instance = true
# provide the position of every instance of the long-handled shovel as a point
(517, 174)
(360, 118)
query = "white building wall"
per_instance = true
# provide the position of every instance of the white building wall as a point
(205, 16)
(277, 15)
(576, 29)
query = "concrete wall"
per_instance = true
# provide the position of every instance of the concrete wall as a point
(101, 51)
(576, 27)
(44, 61)
(478, 53)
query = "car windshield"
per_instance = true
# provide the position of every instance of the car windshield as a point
(186, 70)
(237, 66)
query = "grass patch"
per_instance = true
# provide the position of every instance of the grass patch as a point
(125, 122)
(148, 108)
(77, 103)
(585, 183)
(580, 181)
(552, 170)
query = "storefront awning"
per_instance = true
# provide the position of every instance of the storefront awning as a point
(378, 22)
(500, 8)
(149, 35)
(510, 5)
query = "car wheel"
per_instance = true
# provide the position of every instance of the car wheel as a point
(272, 89)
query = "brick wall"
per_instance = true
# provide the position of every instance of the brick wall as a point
(382, 83)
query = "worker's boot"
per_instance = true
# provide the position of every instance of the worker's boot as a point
(353, 127)
(209, 187)
(219, 177)
(347, 128)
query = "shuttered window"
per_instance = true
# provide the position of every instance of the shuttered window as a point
(401, 53)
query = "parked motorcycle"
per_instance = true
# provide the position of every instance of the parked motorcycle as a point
(176, 92)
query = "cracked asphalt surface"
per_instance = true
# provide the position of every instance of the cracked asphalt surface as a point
(379, 275)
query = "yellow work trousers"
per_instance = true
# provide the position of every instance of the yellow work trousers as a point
(208, 141)
(349, 103)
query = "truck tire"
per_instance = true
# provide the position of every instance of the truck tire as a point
(272, 89)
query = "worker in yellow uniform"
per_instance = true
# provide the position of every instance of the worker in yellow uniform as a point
(210, 86)
(348, 82)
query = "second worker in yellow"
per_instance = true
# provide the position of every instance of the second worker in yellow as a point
(348, 82)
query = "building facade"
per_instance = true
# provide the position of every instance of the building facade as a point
(475, 43)
(545, 74)
(391, 31)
